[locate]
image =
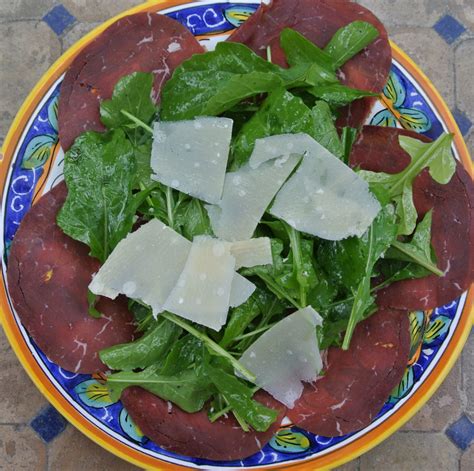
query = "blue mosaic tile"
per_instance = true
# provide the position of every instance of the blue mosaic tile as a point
(48, 424)
(59, 19)
(461, 432)
(449, 28)
(464, 123)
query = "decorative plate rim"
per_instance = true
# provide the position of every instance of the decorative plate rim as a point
(330, 460)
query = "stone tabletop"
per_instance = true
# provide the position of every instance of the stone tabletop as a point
(437, 34)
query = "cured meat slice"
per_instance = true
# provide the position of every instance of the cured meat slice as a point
(318, 20)
(356, 382)
(48, 275)
(193, 434)
(144, 42)
(377, 149)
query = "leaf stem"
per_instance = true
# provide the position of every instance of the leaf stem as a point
(211, 345)
(295, 243)
(429, 266)
(254, 332)
(219, 413)
(269, 54)
(363, 288)
(141, 380)
(241, 421)
(148, 198)
(223, 411)
(137, 121)
(170, 206)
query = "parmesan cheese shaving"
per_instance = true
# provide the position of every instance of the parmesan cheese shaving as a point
(247, 194)
(191, 156)
(240, 291)
(324, 197)
(253, 252)
(286, 356)
(145, 265)
(202, 292)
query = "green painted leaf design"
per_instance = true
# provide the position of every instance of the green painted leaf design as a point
(53, 113)
(130, 428)
(288, 441)
(437, 329)
(404, 387)
(417, 330)
(38, 151)
(94, 394)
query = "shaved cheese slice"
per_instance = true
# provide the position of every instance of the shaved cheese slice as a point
(279, 147)
(202, 292)
(324, 197)
(240, 291)
(247, 194)
(286, 355)
(191, 156)
(253, 252)
(145, 265)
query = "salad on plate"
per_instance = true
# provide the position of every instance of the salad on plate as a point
(231, 248)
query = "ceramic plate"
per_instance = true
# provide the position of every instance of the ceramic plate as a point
(32, 164)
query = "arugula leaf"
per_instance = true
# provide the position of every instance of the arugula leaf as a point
(305, 75)
(397, 270)
(330, 332)
(240, 318)
(146, 351)
(349, 41)
(406, 211)
(212, 346)
(192, 219)
(99, 209)
(299, 50)
(132, 94)
(324, 292)
(419, 249)
(436, 156)
(91, 301)
(277, 229)
(216, 81)
(142, 314)
(280, 113)
(240, 87)
(301, 255)
(190, 389)
(279, 278)
(377, 240)
(344, 262)
(186, 352)
(142, 155)
(325, 131)
(337, 94)
(348, 138)
(239, 397)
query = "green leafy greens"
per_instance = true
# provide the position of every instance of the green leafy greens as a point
(109, 186)
(99, 209)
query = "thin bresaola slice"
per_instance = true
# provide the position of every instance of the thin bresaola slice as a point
(144, 42)
(48, 275)
(318, 21)
(378, 149)
(193, 434)
(357, 382)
